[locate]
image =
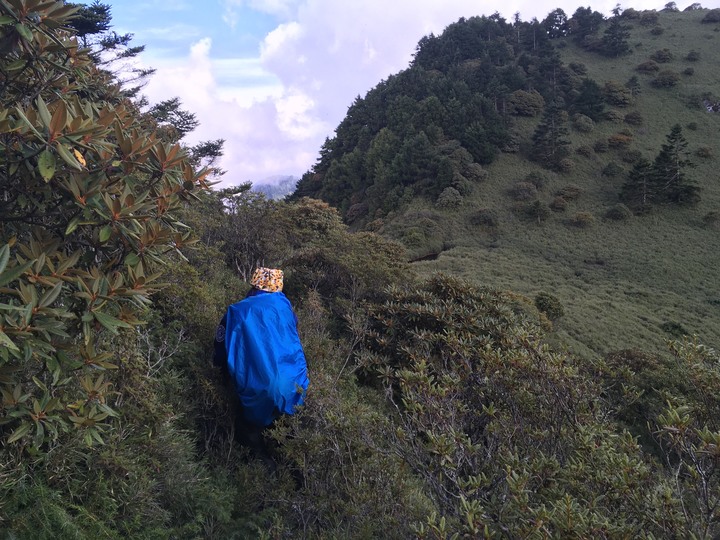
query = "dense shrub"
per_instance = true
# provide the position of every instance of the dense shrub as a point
(630, 156)
(689, 71)
(633, 118)
(704, 152)
(523, 191)
(662, 56)
(648, 67)
(614, 116)
(565, 165)
(537, 179)
(692, 56)
(582, 220)
(617, 94)
(524, 103)
(549, 305)
(612, 169)
(619, 140)
(484, 217)
(475, 172)
(712, 219)
(449, 198)
(657, 30)
(569, 192)
(578, 68)
(692, 126)
(619, 212)
(601, 146)
(584, 150)
(712, 16)
(648, 18)
(666, 79)
(582, 123)
(558, 204)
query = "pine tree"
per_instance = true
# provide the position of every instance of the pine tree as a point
(590, 100)
(640, 190)
(549, 143)
(614, 41)
(669, 170)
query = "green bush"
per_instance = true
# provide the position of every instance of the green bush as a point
(549, 305)
(558, 204)
(583, 220)
(692, 56)
(662, 56)
(523, 191)
(584, 150)
(612, 169)
(601, 146)
(524, 103)
(537, 179)
(648, 18)
(712, 16)
(578, 68)
(619, 212)
(569, 192)
(666, 79)
(450, 198)
(648, 67)
(617, 94)
(484, 217)
(633, 118)
(582, 123)
(631, 156)
(712, 219)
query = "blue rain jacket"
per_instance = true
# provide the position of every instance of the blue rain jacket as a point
(265, 357)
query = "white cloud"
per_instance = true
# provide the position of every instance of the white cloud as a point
(176, 32)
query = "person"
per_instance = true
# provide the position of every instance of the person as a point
(257, 342)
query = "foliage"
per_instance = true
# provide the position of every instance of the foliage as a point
(524, 103)
(617, 94)
(523, 191)
(549, 140)
(712, 16)
(549, 305)
(450, 198)
(666, 79)
(649, 66)
(662, 56)
(88, 219)
(582, 220)
(619, 212)
(495, 423)
(614, 41)
(582, 123)
(670, 169)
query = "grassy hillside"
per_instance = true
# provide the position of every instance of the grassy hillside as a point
(623, 283)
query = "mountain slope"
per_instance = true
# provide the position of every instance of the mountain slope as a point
(445, 158)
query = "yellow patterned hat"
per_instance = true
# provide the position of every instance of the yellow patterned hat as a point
(267, 279)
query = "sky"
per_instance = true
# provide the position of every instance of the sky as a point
(274, 78)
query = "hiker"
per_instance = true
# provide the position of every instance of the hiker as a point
(257, 342)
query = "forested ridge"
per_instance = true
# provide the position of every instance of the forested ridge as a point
(440, 406)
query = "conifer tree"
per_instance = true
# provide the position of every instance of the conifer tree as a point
(640, 190)
(590, 100)
(614, 41)
(669, 169)
(549, 143)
